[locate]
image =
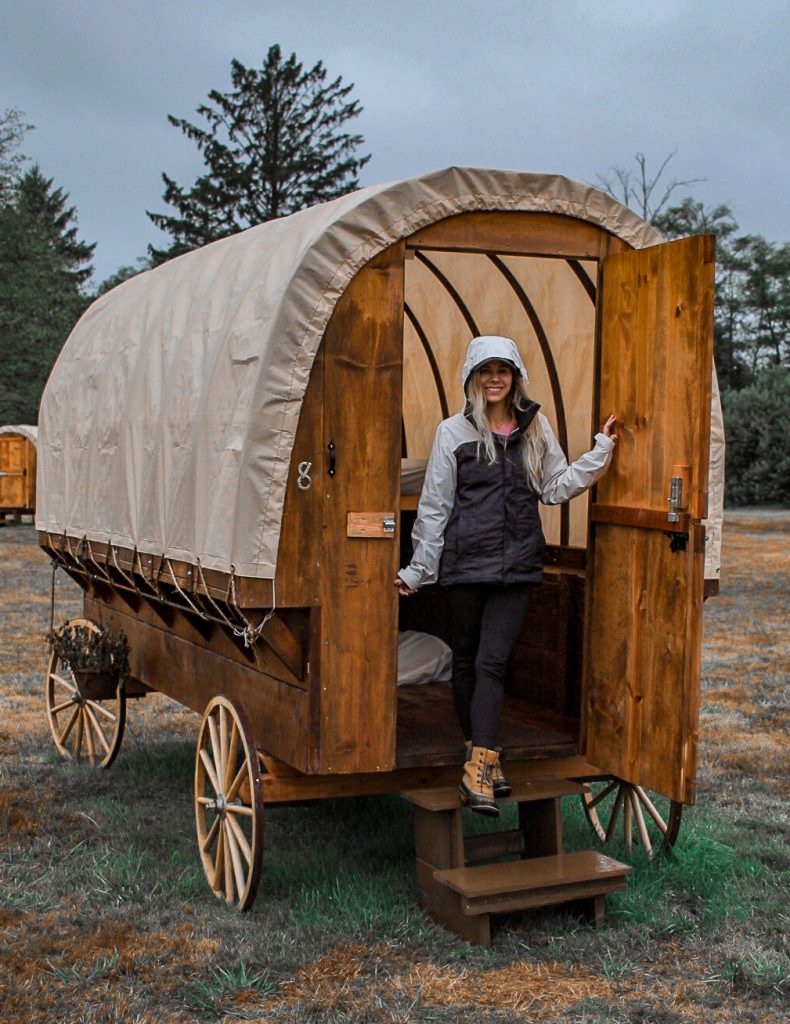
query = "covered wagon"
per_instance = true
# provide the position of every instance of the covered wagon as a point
(17, 472)
(230, 457)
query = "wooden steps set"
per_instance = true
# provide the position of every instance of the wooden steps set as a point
(459, 885)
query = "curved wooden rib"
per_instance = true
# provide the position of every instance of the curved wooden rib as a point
(584, 279)
(451, 291)
(551, 370)
(437, 377)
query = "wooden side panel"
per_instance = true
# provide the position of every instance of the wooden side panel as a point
(363, 347)
(17, 473)
(299, 555)
(644, 611)
(193, 673)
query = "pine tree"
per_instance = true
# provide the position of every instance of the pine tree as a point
(274, 144)
(43, 267)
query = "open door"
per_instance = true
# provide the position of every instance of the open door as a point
(646, 566)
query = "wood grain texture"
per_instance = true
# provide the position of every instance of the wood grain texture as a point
(370, 525)
(17, 474)
(192, 675)
(301, 535)
(644, 607)
(527, 234)
(363, 351)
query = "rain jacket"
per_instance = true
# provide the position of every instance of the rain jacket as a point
(479, 523)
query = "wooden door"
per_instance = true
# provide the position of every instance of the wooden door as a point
(363, 372)
(645, 583)
(13, 472)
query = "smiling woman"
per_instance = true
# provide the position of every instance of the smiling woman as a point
(478, 533)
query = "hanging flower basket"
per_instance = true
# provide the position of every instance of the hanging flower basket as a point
(99, 661)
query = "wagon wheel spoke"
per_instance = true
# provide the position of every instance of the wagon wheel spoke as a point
(78, 733)
(237, 783)
(94, 721)
(219, 863)
(71, 687)
(616, 811)
(235, 856)
(238, 834)
(69, 726)
(228, 764)
(628, 823)
(62, 707)
(88, 733)
(107, 712)
(228, 869)
(215, 770)
(644, 835)
(651, 810)
(240, 809)
(228, 803)
(82, 727)
(209, 766)
(603, 794)
(208, 842)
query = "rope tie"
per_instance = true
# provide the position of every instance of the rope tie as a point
(220, 611)
(183, 593)
(129, 579)
(248, 632)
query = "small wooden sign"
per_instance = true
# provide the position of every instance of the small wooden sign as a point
(371, 525)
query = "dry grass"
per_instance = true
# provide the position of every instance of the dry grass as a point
(92, 930)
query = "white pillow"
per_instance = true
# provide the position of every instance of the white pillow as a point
(423, 658)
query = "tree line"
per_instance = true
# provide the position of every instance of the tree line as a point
(279, 141)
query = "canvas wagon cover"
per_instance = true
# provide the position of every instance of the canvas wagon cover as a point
(168, 421)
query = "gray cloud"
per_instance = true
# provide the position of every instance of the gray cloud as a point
(551, 86)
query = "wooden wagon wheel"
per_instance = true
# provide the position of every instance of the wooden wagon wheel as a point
(82, 728)
(653, 822)
(229, 803)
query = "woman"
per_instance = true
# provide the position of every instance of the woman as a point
(478, 533)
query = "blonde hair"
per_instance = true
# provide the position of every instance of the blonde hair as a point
(533, 440)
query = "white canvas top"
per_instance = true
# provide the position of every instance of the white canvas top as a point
(168, 421)
(30, 432)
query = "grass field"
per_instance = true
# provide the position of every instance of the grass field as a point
(105, 915)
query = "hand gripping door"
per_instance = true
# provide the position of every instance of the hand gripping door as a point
(645, 583)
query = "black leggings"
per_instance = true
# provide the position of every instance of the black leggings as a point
(486, 620)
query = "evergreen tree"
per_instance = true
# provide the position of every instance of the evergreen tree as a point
(43, 267)
(272, 145)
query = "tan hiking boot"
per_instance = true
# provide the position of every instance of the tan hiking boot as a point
(476, 789)
(499, 783)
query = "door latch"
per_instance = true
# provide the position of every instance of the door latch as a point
(388, 523)
(675, 499)
(677, 540)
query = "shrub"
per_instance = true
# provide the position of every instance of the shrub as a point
(757, 427)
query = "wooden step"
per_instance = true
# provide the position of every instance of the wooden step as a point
(535, 882)
(447, 798)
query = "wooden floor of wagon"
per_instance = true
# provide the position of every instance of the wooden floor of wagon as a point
(429, 734)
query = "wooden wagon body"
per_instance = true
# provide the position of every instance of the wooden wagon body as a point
(17, 471)
(222, 446)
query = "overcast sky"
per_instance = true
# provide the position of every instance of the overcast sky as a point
(569, 87)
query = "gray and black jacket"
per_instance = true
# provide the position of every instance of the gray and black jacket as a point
(479, 523)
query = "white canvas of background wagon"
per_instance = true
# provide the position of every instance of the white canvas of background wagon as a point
(229, 465)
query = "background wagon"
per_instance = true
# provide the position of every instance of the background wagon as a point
(17, 472)
(223, 445)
